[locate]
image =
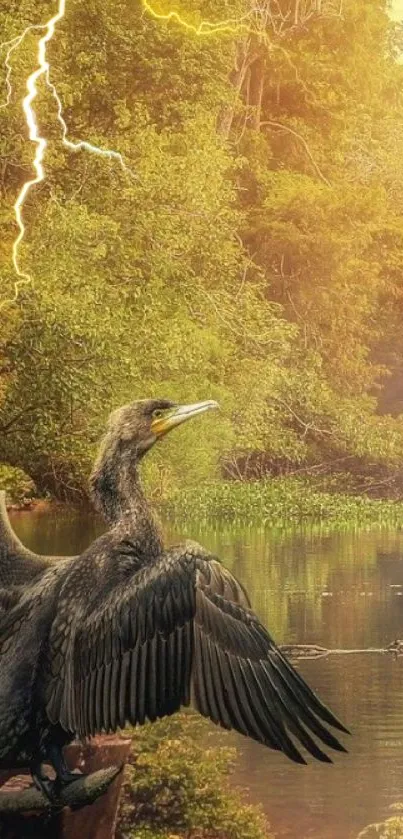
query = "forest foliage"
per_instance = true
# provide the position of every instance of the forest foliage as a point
(251, 253)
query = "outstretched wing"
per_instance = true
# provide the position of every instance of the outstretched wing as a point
(18, 565)
(183, 633)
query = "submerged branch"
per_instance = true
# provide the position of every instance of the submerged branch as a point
(302, 651)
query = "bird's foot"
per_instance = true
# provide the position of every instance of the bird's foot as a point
(66, 778)
(83, 792)
(64, 775)
(44, 784)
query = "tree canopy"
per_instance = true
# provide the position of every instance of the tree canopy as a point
(251, 251)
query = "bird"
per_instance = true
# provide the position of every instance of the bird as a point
(131, 631)
(18, 565)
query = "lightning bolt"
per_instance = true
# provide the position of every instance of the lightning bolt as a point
(13, 45)
(34, 136)
(43, 69)
(206, 27)
(233, 26)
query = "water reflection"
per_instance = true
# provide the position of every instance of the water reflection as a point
(338, 589)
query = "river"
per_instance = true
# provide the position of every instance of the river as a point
(339, 589)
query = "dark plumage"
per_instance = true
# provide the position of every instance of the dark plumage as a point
(18, 565)
(130, 631)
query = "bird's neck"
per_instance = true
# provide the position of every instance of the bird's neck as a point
(117, 493)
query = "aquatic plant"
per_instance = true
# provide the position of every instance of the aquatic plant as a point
(290, 499)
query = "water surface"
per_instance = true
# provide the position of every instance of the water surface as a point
(311, 585)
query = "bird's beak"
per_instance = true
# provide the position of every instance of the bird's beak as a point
(179, 415)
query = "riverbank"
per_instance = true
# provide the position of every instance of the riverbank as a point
(291, 500)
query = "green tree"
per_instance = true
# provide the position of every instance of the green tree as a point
(250, 251)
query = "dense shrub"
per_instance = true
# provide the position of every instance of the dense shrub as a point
(177, 786)
(19, 487)
(391, 828)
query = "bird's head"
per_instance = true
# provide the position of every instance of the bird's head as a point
(139, 425)
(132, 430)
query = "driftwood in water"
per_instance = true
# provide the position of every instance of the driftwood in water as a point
(302, 651)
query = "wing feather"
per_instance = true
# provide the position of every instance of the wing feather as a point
(273, 732)
(292, 721)
(220, 687)
(105, 700)
(133, 686)
(99, 687)
(182, 631)
(242, 700)
(142, 685)
(210, 684)
(153, 672)
(309, 696)
(199, 688)
(124, 679)
(302, 708)
(114, 692)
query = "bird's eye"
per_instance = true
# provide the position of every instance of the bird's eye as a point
(158, 413)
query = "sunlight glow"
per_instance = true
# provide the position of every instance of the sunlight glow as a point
(396, 12)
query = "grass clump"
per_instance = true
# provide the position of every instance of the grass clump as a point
(289, 499)
(392, 828)
(177, 787)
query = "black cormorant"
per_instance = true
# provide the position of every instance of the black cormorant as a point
(130, 631)
(18, 565)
